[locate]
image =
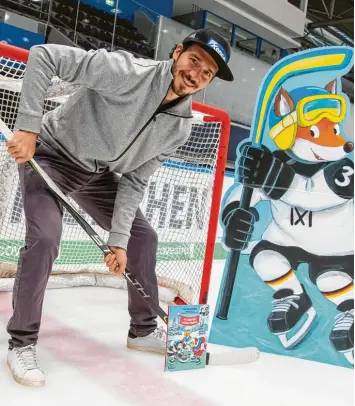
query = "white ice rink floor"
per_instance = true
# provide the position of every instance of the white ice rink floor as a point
(82, 351)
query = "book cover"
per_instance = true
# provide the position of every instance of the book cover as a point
(187, 337)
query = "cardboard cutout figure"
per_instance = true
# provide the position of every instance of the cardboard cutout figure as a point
(288, 218)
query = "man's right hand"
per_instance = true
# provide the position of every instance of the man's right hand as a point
(22, 146)
(116, 262)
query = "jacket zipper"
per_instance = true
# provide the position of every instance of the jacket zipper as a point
(135, 138)
(153, 117)
(141, 130)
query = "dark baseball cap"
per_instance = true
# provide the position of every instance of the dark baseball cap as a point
(217, 46)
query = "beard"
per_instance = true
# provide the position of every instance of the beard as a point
(177, 84)
(180, 88)
(177, 89)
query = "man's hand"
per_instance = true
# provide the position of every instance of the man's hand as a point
(116, 262)
(22, 146)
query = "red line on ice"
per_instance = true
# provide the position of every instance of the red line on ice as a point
(131, 380)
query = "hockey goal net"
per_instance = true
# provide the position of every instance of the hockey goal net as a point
(181, 202)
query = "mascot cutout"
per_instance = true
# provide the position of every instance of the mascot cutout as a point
(298, 167)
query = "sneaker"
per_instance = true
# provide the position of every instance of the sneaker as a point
(24, 366)
(153, 342)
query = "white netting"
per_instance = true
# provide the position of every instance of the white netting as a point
(177, 203)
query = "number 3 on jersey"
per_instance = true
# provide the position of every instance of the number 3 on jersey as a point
(347, 172)
(339, 176)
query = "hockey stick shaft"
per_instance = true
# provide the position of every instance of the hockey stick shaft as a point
(88, 229)
(233, 261)
(97, 239)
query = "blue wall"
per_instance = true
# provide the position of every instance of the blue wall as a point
(20, 37)
(164, 7)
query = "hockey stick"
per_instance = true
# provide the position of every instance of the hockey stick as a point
(244, 355)
(316, 60)
(233, 261)
(87, 228)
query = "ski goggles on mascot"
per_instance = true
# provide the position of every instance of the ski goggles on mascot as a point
(309, 111)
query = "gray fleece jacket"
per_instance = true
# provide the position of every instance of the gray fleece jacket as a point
(110, 122)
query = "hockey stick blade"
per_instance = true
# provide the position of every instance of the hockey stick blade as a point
(232, 357)
(239, 356)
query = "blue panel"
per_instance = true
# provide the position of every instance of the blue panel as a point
(20, 37)
(128, 7)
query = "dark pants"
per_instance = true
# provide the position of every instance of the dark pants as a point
(95, 193)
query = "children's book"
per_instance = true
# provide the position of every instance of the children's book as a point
(187, 337)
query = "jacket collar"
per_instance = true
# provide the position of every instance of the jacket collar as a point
(182, 109)
(161, 84)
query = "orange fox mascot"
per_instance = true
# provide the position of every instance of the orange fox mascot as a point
(309, 182)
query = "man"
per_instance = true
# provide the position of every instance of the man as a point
(128, 116)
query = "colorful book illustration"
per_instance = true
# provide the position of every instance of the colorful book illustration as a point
(187, 337)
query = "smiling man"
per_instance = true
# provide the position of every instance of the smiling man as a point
(198, 60)
(128, 116)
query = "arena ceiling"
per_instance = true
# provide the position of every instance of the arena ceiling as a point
(334, 17)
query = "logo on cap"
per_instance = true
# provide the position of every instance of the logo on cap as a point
(218, 48)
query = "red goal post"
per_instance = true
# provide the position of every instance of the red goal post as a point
(195, 174)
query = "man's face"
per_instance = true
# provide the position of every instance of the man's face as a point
(192, 70)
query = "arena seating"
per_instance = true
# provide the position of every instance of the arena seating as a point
(94, 27)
